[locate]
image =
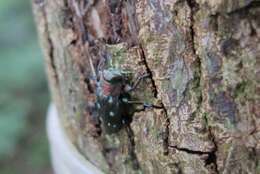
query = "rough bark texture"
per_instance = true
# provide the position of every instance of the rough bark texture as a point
(204, 59)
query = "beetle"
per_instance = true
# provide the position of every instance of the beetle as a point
(114, 104)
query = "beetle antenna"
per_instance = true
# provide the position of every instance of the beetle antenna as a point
(84, 36)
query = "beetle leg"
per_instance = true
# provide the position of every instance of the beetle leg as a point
(92, 109)
(144, 105)
(147, 106)
(137, 82)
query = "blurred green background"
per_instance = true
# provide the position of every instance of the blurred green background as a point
(23, 93)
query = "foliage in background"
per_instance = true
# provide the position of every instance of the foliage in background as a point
(23, 96)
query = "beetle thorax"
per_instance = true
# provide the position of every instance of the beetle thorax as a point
(112, 82)
(109, 89)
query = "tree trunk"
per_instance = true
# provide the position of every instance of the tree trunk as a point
(202, 57)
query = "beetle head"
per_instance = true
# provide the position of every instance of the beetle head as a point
(113, 76)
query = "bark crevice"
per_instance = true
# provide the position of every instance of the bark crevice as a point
(148, 70)
(49, 41)
(208, 160)
(212, 156)
(165, 136)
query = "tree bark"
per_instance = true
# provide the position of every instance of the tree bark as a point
(203, 57)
